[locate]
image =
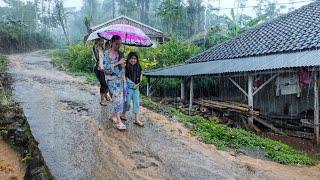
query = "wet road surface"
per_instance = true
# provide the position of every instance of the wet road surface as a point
(78, 142)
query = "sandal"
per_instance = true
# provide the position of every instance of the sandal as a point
(120, 126)
(138, 123)
(114, 121)
(123, 117)
(108, 97)
(103, 103)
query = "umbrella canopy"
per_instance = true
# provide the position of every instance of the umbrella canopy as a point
(130, 35)
(93, 36)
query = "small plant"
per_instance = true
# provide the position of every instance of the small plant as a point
(76, 60)
(225, 137)
(3, 62)
(79, 58)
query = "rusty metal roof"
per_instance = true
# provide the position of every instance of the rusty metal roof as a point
(249, 64)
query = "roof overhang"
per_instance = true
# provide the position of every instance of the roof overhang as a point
(255, 64)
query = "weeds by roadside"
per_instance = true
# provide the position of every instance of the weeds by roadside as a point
(61, 59)
(222, 136)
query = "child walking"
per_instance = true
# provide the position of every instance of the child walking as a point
(133, 77)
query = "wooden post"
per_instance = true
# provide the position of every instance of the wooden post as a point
(191, 95)
(148, 87)
(265, 83)
(182, 89)
(316, 109)
(250, 99)
(238, 86)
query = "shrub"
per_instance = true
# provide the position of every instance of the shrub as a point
(79, 58)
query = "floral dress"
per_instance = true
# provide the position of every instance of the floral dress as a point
(115, 77)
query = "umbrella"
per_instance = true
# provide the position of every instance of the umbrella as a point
(93, 36)
(130, 35)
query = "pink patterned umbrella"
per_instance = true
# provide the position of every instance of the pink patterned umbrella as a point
(130, 35)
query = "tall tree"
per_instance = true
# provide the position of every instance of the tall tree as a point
(144, 8)
(170, 11)
(61, 16)
(269, 7)
(232, 28)
(195, 16)
(89, 9)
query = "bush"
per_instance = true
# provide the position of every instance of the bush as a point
(170, 53)
(79, 58)
(3, 63)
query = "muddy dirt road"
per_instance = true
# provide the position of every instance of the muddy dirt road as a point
(78, 142)
(10, 163)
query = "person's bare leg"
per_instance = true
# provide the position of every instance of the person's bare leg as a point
(113, 117)
(103, 100)
(107, 96)
(137, 120)
(123, 116)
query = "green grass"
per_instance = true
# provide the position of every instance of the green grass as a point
(59, 58)
(148, 103)
(223, 137)
(3, 63)
(5, 94)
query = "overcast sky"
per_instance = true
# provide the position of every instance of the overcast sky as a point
(224, 4)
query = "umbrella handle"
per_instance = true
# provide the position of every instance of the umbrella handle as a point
(125, 41)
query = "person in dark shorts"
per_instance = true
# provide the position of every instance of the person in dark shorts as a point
(98, 56)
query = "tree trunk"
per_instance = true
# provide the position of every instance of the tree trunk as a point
(36, 2)
(170, 27)
(113, 9)
(62, 20)
(147, 9)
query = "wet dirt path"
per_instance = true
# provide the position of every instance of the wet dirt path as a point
(78, 142)
(10, 163)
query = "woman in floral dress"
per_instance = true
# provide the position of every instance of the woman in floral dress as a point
(114, 66)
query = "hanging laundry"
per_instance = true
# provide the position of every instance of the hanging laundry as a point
(257, 83)
(304, 77)
(288, 84)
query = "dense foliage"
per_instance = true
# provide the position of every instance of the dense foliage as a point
(19, 30)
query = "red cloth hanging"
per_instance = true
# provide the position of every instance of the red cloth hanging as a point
(304, 77)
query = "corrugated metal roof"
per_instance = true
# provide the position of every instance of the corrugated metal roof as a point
(295, 31)
(249, 64)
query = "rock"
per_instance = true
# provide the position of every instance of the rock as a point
(35, 174)
(277, 147)
(14, 126)
(16, 134)
(9, 117)
(20, 137)
(142, 164)
(239, 152)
